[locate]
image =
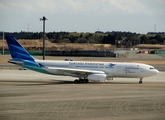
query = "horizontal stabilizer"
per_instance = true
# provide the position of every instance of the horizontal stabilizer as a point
(16, 62)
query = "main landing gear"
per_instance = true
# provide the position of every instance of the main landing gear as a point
(140, 82)
(81, 81)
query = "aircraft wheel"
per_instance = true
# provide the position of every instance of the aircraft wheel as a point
(81, 80)
(76, 81)
(140, 82)
(86, 81)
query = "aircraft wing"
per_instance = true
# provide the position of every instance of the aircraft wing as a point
(77, 71)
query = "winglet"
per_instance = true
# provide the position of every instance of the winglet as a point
(18, 53)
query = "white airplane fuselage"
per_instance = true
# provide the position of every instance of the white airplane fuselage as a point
(111, 69)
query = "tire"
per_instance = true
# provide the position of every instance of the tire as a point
(76, 81)
(86, 80)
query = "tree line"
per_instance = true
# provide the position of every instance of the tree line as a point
(124, 39)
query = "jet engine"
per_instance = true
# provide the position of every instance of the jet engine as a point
(97, 77)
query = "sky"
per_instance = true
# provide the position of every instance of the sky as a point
(140, 16)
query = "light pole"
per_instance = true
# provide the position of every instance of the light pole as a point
(43, 49)
(3, 44)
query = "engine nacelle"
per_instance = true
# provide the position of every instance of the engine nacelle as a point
(97, 77)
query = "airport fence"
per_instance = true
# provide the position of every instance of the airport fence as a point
(89, 53)
(30, 52)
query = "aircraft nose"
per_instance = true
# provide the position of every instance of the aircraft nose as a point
(156, 71)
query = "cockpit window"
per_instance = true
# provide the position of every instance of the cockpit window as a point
(151, 68)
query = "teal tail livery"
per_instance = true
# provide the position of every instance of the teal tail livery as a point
(85, 71)
(18, 53)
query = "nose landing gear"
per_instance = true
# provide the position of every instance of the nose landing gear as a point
(140, 82)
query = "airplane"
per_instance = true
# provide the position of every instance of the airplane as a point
(84, 70)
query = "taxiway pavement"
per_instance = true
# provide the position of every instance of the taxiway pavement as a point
(25, 94)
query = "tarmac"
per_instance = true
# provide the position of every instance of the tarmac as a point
(28, 95)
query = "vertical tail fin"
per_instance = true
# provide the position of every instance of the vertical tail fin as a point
(18, 53)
